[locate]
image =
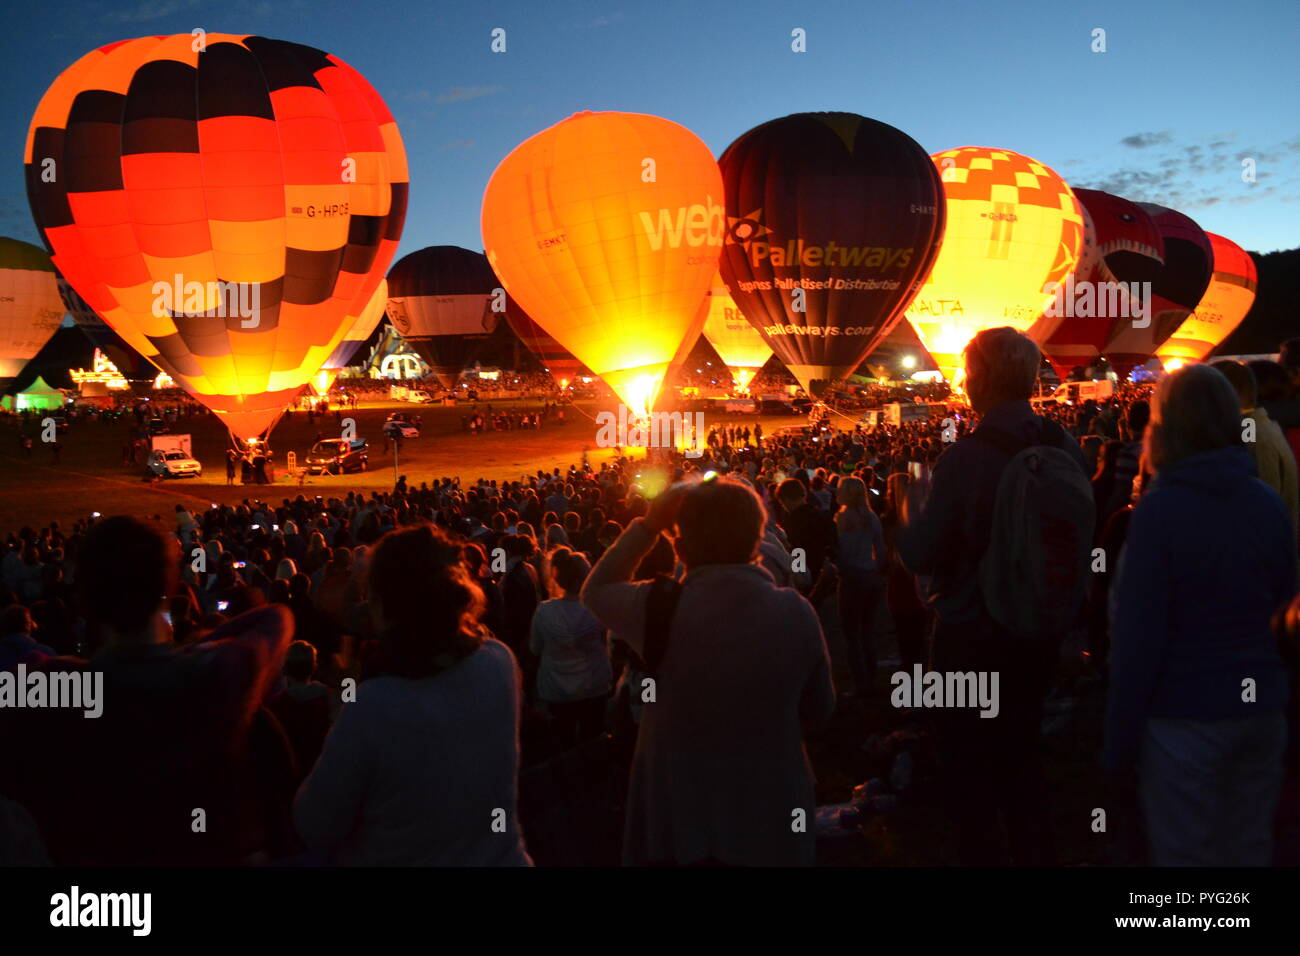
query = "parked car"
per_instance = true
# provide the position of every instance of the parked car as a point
(400, 426)
(1073, 393)
(337, 456)
(173, 464)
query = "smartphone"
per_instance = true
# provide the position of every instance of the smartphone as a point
(241, 564)
(167, 616)
(914, 469)
(256, 527)
(222, 605)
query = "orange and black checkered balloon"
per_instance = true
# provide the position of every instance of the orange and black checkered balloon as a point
(263, 180)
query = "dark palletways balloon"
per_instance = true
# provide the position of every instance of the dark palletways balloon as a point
(1176, 289)
(1126, 247)
(440, 301)
(834, 221)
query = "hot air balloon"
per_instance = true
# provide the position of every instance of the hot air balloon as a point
(899, 354)
(833, 221)
(1175, 291)
(1127, 248)
(138, 371)
(440, 301)
(30, 308)
(1014, 228)
(224, 202)
(737, 342)
(360, 329)
(606, 228)
(1226, 301)
(555, 358)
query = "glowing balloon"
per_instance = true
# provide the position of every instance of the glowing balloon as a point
(30, 308)
(1225, 304)
(833, 221)
(1176, 289)
(134, 367)
(1014, 227)
(224, 202)
(1126, 248)
(737, 342)
(606, 228)
(440, 301)
(555, 358)
(360, 329)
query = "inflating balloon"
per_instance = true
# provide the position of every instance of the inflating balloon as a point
(138, 371)
(606, 228)
(30, 308)
(737, 342)
(555, 358)
(1014, 230)
(1176, 289)
(440, 300)
(1127, 248)
(1226, 301)
(833, 221)
(224, 202)
(360, 329)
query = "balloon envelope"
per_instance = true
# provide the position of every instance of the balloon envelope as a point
(133, 366)
(440, 302)
(224, 209)
(555, 358)
(833, 221)
(1014, 227)
(30, 308)
(1127, 248)
(737, 342)
(606, 229)
(1226, 302)
(1175, 291)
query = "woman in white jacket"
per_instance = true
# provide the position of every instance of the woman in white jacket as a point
(574, 674)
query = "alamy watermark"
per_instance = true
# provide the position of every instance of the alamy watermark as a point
(657, 430)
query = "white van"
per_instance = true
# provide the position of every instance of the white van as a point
(1075, 393)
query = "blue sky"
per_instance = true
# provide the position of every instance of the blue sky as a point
(1184, 91)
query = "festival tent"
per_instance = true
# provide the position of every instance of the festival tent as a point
(37, 395)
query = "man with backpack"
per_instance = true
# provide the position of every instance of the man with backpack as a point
(1004, 535)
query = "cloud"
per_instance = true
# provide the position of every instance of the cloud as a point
(460, 94)
(1145, 140)
(147, 10)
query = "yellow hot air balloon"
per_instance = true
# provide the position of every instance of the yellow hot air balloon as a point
(736, 341)
(1014, 228)
(1223, 306)
(606, 228)
(30, 307)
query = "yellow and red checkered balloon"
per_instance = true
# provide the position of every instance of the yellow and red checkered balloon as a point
(1014, 227)
(263, 181)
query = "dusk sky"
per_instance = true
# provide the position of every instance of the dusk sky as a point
(1183, 93)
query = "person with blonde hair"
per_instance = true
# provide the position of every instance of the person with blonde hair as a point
(574, 674)
(860, 560)
(739, 668)
(1196, 718)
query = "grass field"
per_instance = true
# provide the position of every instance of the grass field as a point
(91, 477)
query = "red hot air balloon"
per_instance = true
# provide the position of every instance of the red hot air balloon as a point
(440, 301)
(834, 222)
(139, 372)
(1223, 307)
(1175, 291)
(555, 358)
(226, 203)
(1127, 248)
